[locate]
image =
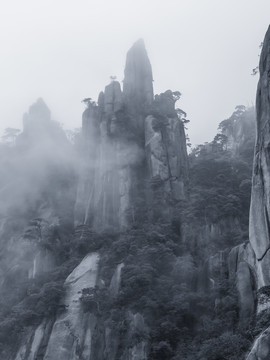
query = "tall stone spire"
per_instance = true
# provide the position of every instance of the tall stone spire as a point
(260, 198)
(138, 84)
(259, 223)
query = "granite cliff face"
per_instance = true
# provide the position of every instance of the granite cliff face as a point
(238, 265)
(259, 215)
(248, 265)
(259, 226)
(108, 161)
(138, 85)
(130, 141)
(69, 335)
(165, 147)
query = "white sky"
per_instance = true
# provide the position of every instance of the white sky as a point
(66, 50)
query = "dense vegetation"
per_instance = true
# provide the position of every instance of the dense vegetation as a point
(164, 262)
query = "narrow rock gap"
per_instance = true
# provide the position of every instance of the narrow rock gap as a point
(266, 251)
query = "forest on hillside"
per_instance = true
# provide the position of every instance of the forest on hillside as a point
(166, 272)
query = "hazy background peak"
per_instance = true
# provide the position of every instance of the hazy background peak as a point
(65, 51)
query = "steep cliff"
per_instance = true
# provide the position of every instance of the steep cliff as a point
(238, 267)
(165, 146)
(138, 85)
(248, 264)
(72, 331)
(259, 210)
(130, 140)
(109, 155)
(259, 214)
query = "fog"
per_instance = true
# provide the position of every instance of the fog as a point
(39, 171)
(106, 190)
(65, 51)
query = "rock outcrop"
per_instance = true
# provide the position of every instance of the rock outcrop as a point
(261, 347)
(260, 200)
(259, 227)
(238, 265)
(139, 351)
(165, 146)
(76, 334)
(69, 335)
(115, 281)
(242, 270)
(249, 264)
(72, 331)
(138, 85)
(103, 199)
(129, 140)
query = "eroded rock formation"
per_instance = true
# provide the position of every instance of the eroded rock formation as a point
(238, 265)
(138, 85)
(69, 336)
(165, 146)
(72, 331)
(130, 141)
(260, 199)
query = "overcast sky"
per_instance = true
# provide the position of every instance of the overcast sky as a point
(66, 50)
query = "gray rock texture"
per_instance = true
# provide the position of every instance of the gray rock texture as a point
(69, 336)
(115, 281)
(166, 158)
(261, 347)
(72, 331)
(123, 149)
(259, 228)
(35, 341)
(139, 350)
(138, 84)
(239, 265)
(103, 197)
(260, 198)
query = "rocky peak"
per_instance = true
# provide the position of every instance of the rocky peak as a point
(260, 199)
(40, 130)
(124, 148)
(259, 223)
(138, 83)
(113, 97)
(38, 115)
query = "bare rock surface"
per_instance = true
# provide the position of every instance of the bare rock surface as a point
(71, 334)
(259, 227)
(121, 149)
(260, 198)
(261, 347)
(138, 84)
